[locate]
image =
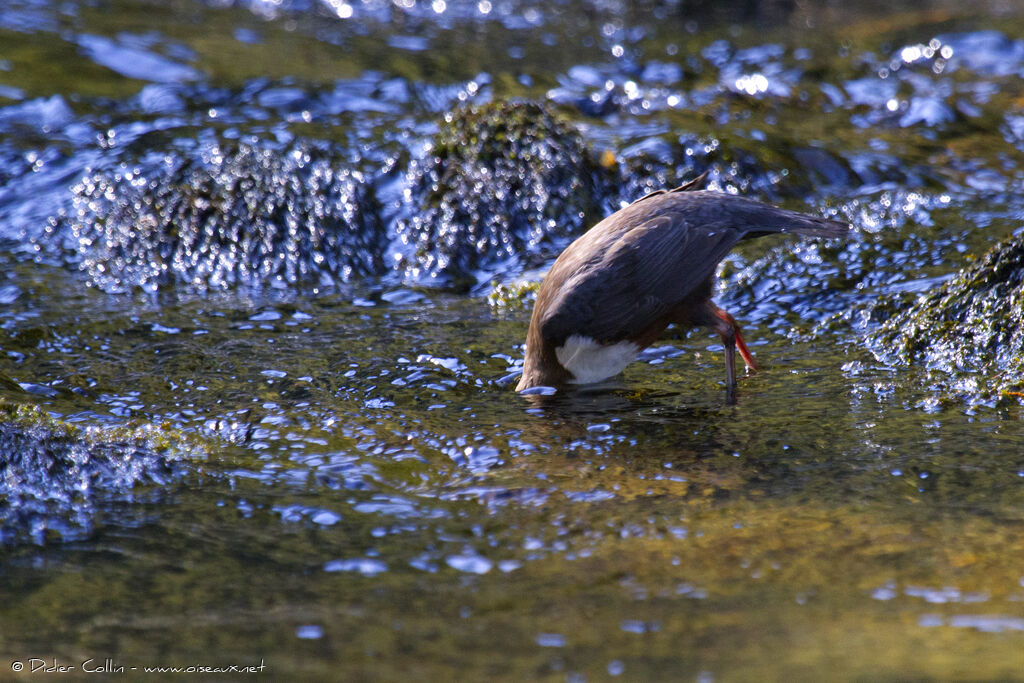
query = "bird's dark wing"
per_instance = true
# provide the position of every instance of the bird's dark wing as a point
(657, 251)
(648, 270)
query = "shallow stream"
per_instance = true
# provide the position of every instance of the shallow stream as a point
(333, 477)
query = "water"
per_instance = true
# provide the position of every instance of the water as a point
(325, 470)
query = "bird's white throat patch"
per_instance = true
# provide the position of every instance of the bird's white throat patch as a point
(589, 361)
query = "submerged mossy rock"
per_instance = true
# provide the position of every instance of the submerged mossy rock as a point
(55, 476)
(969, 328)
(502, 182)
(234, 215)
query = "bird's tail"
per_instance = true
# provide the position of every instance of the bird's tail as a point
(805, 224)
(757, 218)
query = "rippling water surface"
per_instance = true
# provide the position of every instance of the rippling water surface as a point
(268, 446)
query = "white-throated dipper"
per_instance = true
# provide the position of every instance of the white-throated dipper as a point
(614, 290)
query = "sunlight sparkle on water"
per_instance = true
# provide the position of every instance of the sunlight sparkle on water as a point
(341, 9)
(752, 84)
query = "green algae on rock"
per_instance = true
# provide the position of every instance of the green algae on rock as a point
(968, 328)
(512, 297)
(54, 475)
(502, 182)
(236, 214)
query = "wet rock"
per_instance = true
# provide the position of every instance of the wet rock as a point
(804, 288)
(967, 327)
(236, 214)
(729, 165)
(503, 183)
(55, 477)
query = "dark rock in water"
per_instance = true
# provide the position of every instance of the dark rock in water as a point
(503, 181)
(771, 172)
(238, 215)
(969, 327)
(55, 477)
(825, 168)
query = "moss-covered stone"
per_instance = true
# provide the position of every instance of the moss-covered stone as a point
(970, 326)
(505, 181)
(235, 214)
(54, 475)
(513, 297)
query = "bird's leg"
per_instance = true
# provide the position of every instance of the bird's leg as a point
(730, 367)
(732, 340)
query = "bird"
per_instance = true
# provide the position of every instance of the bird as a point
(615, 289)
